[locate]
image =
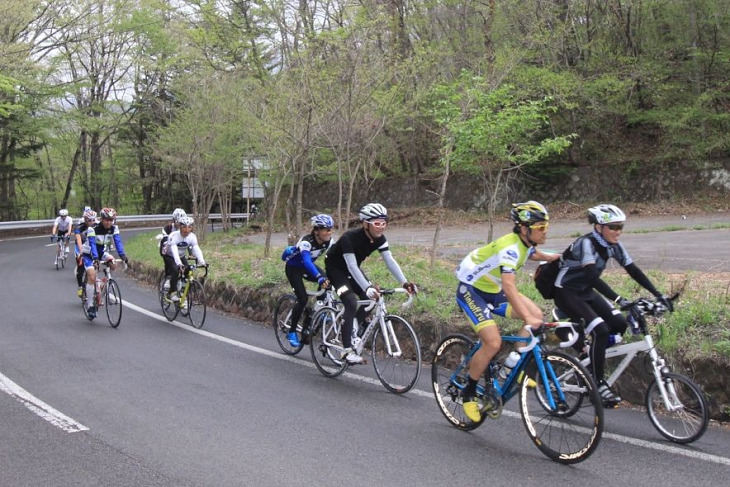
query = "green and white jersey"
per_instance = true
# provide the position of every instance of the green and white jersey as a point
(483, 267)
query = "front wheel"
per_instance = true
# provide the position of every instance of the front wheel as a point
(684, 419)
(113, 302)
(282, 324)
(196, 302)
(168, 307)
(325, 343)
(449, 374)
(561, 408)
(396, 355)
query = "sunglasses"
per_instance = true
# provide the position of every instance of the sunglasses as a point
(378, 223)
(539, 226)
(108, 219)
(615, 226)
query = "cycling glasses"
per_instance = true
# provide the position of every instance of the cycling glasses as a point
(378, 223)
(108, 219)
(615, 226)
(542, 226)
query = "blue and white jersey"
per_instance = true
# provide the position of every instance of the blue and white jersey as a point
(307, 251)
(100, 240)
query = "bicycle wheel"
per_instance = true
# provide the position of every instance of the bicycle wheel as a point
(85, 301)
(113, 302)
(168, 307)
(568, 430)
(282, 324)
(325, 343)
(689, 415)
(396, 355)
(58, 258)
(449, 371)
(196, 304)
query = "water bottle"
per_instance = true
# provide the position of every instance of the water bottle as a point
(614, 339)
(179, 285)
(509, 363)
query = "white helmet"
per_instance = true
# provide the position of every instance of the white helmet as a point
(177, 214)
(371, 211)
(605, 214)
(63, 212)
(186, 221)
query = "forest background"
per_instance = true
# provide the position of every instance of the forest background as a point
(147, 105)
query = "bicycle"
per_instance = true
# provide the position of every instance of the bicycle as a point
(559, 401)
(394, 346)
(106, 293)
(191, 293)
(675, 404)
(61, 250)
(282, 317)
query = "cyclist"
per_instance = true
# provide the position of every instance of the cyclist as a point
(62, 226)
(579, 278)
(488, 286)
(87, 221)
(99, 238)
(300, 265)
(173, 226)
(342, 263)
(179, 243)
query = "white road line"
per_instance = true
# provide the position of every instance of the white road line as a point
(287, 358)
(56, 418)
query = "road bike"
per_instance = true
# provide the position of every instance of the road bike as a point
(106, 294)
(675, 404)
(191, 294)
(559, 401)
(61, 250)
(282, 317)
(391, 340)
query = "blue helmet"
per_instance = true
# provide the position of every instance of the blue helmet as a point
(322, 221)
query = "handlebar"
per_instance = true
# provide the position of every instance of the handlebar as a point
(644, 306)
(387, 292)
(534, 340)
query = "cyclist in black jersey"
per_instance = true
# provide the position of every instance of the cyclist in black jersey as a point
(300, 266)
(579, 279)
(343, 269)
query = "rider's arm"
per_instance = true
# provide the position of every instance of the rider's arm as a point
(118, 243)
(197, 251)
(539, 255)
(55, 227)
(393, 266)
(641, 279)
(355, 271)
(602, 287)
(509, 286)
(309, 265)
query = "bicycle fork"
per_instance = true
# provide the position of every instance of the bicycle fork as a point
(667, 390)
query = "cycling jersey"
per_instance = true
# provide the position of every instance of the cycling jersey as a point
(99, 241)
(63, 223)
(178, 246)
(483, 267)
(586, 250)
(307, 251)
(83, 230)
(166, 231)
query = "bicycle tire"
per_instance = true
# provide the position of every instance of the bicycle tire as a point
(282, 324)
(398, 373)
(325, 328)
(113, 304)
(571, 432)
(58, 256)
(169, 310)
(197, 306)
(684, 425)
(85, 301)
(449, 370)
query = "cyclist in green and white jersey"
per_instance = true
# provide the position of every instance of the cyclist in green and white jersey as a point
(487, 287)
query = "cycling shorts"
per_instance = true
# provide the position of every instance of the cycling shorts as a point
(89, 261)
(480, 306)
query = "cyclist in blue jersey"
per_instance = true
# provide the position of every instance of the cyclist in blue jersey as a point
(488, 286)
(343, 270)
(87, 221)
(300, 266)
(579, 279)
(98, 248)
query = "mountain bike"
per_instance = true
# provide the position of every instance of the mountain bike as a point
(282, 317)
(391, 340)
(61, 250)
(191, 294)
(675, 404)
(559, 401)
(106, 294)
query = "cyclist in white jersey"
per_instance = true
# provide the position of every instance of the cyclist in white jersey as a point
(179, 244)
(62, 226)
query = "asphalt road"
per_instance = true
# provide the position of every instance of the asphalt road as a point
(159, 404)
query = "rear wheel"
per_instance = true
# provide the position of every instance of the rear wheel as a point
(113, 302)
(282, 324)
(449, 371)
(563, 413)
(396, 355)
(196, 302)
(687, 416)
(325, 343)
(168, 307)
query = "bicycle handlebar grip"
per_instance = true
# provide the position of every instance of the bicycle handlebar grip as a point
(572, 336)
(533, 341)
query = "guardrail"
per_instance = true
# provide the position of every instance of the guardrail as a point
(121, 219)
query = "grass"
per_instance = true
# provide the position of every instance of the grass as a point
(698, 326)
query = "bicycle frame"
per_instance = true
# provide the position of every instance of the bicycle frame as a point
(391, 341)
